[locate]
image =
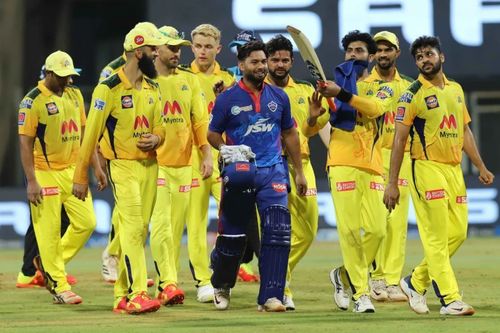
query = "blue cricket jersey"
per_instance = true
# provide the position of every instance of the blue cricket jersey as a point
(255, 120)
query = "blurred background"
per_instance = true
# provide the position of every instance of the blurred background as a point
(92, 32)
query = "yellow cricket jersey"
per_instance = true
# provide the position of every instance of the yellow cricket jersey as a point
(437, 117)
(184, 114)
(118, 117)
(55, 123)
(298, 93)
(360, 148)
(397, 86)
(112, 67)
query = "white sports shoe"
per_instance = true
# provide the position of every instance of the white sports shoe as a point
(418, 303)
(341, 296)
(363, 305)
(205, 294)
(272, 305)
(378, 290)
(221, 298)
(288, 303)
(457, 308)
(396, 294)
(109, 267)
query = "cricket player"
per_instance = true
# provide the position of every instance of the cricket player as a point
(355, 168)
(433, 112)
(110, 255)
(184, 117)
(205, 40)
(125, 116)
(389, 262)
(254, 117)
(303, 208)
(50, 126)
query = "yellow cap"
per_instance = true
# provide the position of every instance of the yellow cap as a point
(138, 37)
(60, 63)
(387, 36)
(174, 37)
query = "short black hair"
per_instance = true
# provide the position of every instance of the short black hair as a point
(250, 47)
(278, 43)
(424, 41)
(356, 35)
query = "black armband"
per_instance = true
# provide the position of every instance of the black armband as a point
(344, 96)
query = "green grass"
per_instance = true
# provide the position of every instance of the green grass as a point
(476, 266)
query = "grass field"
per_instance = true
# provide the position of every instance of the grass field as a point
(477, 267)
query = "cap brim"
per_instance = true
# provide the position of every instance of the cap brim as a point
(66, 72)
(175, 42)
(236, 43)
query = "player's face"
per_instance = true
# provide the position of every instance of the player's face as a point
(205, 49)
(254, 67)
(169, 55)
(386, 55)
(58, 82)
(147, 56)
(357, 50)
(429, 61)
(279, 64)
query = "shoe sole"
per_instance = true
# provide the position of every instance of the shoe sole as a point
(176, 300)
(28, 285)
(378, 298)
(469, 312)
(403, 288)
(142, 311)
(333, 280)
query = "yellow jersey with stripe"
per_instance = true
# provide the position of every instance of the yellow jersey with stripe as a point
(56, 124)
(397, 86)
(184, 114)
(298, 92)
(437, 118)
(112, 67)
(119, 115)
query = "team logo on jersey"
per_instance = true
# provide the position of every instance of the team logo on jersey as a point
(376, 186)
(461, 199)
(406, 98)
(52, 108)
(279, 187)
(459, 99)
(105, 73)
(127, 102)
(431, 102)
(21, 117)
(161, 182)
(369, 93)
(49, 191)
(26, 103)
(184, 87)
(434, 194)
(261, 126)
(273, 106)
(99, 104)
(151, 100)
(400, 114)
(345, 186)
(301, 100)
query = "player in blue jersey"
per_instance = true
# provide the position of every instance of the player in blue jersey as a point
(255, 118)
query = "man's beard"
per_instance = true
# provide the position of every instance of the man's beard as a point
(385, 66)
(256, 81)
(435, 69)
(279, 77)
(147, 67)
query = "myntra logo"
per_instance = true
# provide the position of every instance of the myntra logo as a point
(141, 121)
(448, 122)
(389, 117)
(172, 108)
(69, 127)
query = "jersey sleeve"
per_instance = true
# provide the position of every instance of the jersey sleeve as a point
(158, 128)
(81, 103)
(406, 110)
(467, 118)
(286, 115)
(100, 108)
(28, 116)
(372, 106)
(218, 121)
(199, 116)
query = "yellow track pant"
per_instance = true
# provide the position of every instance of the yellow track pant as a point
(390, 258)
(198, 220)
(113, 246)
(357, 196)
(304, 214)
(54, 250)
(134, 188)
(439, 195)
(171, 208)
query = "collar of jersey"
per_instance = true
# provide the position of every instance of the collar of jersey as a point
(43, 88)
(196, 69)
(375, 76)
(290, 83)
(427, 84)
(126, 82)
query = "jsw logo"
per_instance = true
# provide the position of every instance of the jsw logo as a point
(448, 122)
(259, 127)
(389, 118)
(173, 108)
(141, 121)
(69, 126)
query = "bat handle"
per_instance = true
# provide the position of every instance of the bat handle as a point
(331, 104)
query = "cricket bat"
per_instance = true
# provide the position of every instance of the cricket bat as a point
(310, 57)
